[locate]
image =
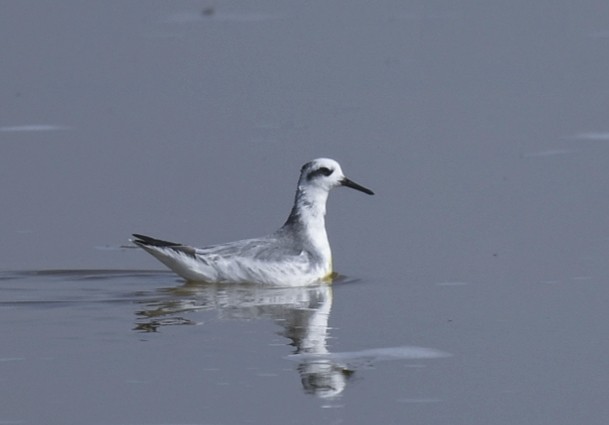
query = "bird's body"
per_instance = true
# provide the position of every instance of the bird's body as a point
(297, 254)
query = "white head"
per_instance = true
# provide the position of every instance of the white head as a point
(325, 174)
(316, 180)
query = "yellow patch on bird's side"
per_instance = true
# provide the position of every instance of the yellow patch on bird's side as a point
(331, 275)
(329, 278)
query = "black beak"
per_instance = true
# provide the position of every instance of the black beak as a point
(349, 183)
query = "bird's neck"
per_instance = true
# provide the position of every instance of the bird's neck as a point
(309, 209)
(307, 218)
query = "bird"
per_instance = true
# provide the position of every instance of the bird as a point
(297, 254)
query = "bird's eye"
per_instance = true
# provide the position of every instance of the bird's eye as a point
(323, 171)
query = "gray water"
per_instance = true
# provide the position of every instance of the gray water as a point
(474, 285)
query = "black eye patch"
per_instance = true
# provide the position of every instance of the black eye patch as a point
(322, 171)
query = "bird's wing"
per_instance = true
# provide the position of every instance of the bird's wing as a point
(267, 249)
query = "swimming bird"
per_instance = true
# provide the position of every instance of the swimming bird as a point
(297, 254)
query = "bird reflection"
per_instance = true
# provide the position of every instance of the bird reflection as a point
(302, 313)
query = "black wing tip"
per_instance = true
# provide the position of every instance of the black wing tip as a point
(147, 240)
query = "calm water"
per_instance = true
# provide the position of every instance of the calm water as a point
(475, 283)
(127, 347)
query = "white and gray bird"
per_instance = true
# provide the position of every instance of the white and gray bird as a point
(297, 254)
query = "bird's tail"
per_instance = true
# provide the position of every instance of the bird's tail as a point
(143, 240)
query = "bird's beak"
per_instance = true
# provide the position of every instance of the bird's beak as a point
(350, 183)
